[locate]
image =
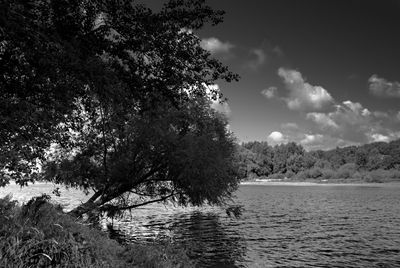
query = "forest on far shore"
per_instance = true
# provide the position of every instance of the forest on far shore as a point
(373, 162)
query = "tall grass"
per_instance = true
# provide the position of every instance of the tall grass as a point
(39, 234)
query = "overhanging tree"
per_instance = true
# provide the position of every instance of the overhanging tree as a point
(121, 94)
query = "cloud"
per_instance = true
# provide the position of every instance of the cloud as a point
(259, 57)
(215, 46)
(222, 107)
(290, 126)
(383, 88)
(217, 104)
(386, 137)
(270, 92)
(322, 120)
(302, 95)
(276, 137)
(311, 139)
(376, 137)
(278, 51)
(380, 114)
(324, 142)
(352, 122)
(349, 121)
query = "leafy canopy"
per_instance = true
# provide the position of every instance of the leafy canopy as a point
(120, 94)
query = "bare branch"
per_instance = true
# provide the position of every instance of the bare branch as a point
(147, 202)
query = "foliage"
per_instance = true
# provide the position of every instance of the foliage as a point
(112, 97)
(374, 162)
(38, 234)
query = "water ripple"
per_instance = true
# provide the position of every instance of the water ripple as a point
(285, 226)
(282, 226)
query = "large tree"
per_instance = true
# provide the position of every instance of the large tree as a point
(113, 98)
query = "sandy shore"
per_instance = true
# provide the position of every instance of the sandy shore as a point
(305, 183)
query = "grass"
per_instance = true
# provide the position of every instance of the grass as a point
(39, 234)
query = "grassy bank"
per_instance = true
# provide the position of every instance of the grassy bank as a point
(39, 234)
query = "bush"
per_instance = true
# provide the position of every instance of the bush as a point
(315, 173)
(39, 234)
(289, 174)
(276, 176)
(346, 171)
(301, 176)
(327, 174)
(382, 175)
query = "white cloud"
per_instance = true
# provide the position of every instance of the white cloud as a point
(383, 88)
(354, 106)
(215, 46)
(311, 139)
(352, 122)
(222, 107)
(302, 95)
(365, 112)
(315, 140)
(379, 137)
(322, 120)
(276, 137)
(216, 103)
(270, 92)
(324, 142)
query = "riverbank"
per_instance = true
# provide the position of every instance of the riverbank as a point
(40, 234)
(319, 183)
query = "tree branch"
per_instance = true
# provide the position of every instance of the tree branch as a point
(147, 202)
(95, 196)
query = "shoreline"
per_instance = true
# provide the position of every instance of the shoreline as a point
(310, 183)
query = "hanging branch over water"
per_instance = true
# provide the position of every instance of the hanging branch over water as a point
(111, 97)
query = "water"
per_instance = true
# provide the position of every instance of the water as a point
(282, 226)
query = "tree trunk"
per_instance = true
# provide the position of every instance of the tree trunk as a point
(90, 207)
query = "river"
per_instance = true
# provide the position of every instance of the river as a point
(281, 226)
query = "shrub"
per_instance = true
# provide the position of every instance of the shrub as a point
(276, 176)
(301, 176)
(289, 174)
(381, 175)
(39, 234)
(327, 174)
(346, 171)
(315, 173)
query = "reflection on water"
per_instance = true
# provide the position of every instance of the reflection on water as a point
(282, 226)
(208, 239)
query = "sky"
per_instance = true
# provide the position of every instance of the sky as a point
(321, 73)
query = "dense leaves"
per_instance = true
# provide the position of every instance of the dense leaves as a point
(114, 98)
(258, 159)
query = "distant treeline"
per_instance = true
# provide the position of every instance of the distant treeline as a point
(374, 162)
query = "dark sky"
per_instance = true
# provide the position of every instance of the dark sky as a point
(318, 72)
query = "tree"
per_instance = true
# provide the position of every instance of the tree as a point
(361, 159)
(184, 155)
(123, 100)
